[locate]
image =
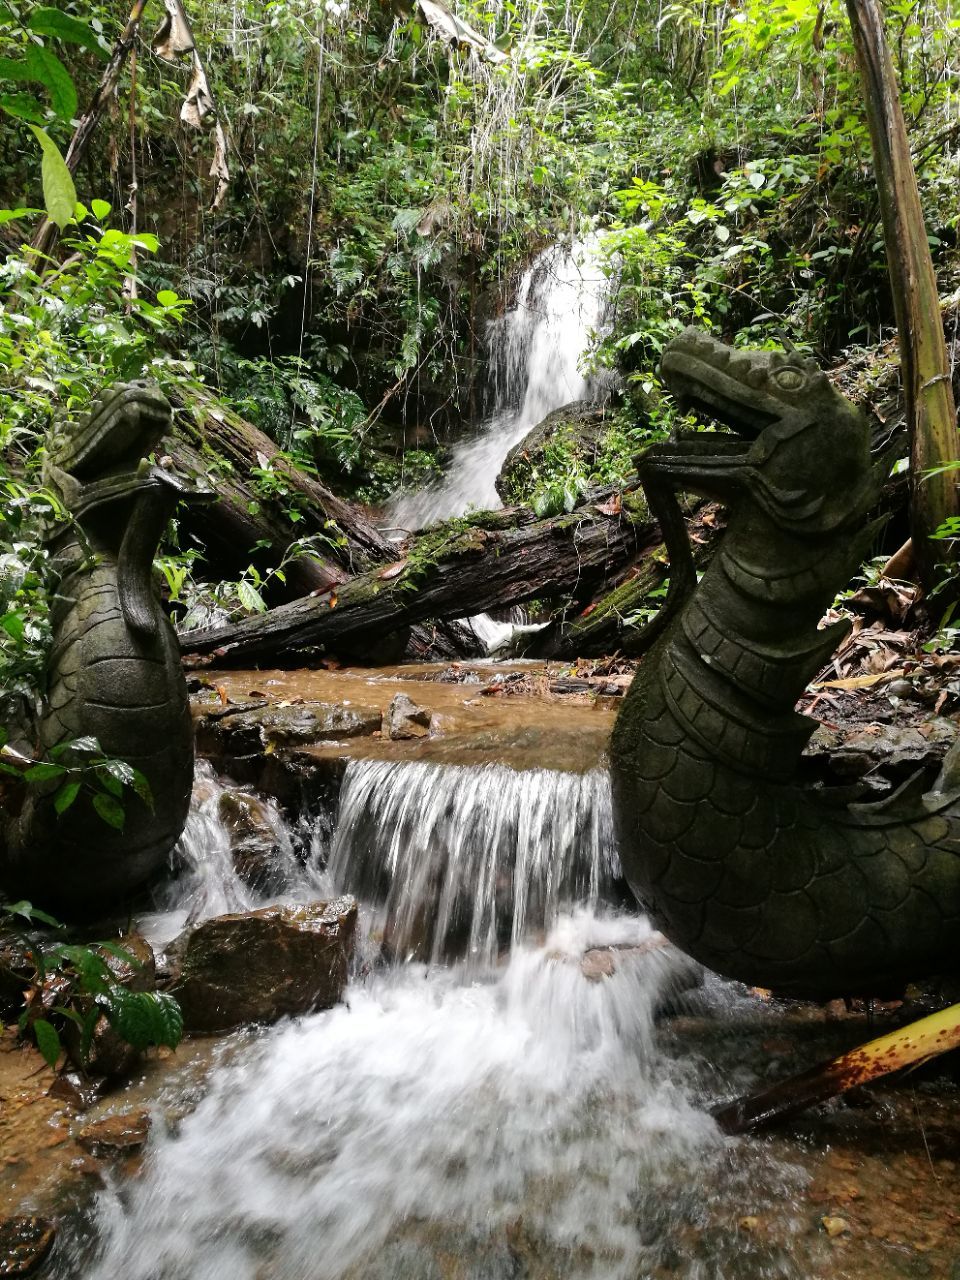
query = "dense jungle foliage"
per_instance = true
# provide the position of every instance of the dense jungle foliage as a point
(388, 183)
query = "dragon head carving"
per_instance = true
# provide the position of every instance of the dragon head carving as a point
(794, 446)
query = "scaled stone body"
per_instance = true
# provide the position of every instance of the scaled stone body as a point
(755, 876)
(114, 670)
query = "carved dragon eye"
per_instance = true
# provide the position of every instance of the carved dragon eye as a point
(789, 379)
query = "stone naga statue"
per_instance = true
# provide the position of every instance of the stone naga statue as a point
(114, 670)
(755, 875)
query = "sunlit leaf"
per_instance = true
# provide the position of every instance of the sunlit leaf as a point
(59, 193)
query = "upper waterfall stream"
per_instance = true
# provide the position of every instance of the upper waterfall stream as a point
(536, 355)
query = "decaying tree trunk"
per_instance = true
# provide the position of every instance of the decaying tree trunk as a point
(612, 623)
(219, 435)
(454, 571)
(239, 527)
(925, 370)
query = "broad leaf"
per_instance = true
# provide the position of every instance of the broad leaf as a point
(66, 796)
(24, 106)
(59, 193)
(51, 22)
(110, 810)
(40, 66)
(48, 1041)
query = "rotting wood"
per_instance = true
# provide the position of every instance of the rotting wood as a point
(209, 425)
(907, 1047)
(239, 527)
(454, 571)
(606, 624)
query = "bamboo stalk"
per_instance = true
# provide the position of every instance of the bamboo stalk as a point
(909, 1046)
(925, 366)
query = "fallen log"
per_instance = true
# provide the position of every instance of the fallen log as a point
(221, 435)
(613, 622)
(239, 527)
(461, 568)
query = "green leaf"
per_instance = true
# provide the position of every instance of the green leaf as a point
(66, 796)
(44, 771)
(30, 912)
(250, 597)
(12, 215)
(41, 66)
(167, 298)
(56, 79)
(24, 106)
(48, 1041)
(101, 209)
(110, 810)
(143, 1018)
(90, 1020)
(83, 746)
(51, 22)
(108, 779)
(142, 788)
(59, 193)
(14, 623)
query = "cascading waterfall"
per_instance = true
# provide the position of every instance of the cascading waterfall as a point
(208, 883)
(536, 350)
(471, 859)
(511, 1115)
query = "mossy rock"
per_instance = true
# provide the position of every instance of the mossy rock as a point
(570, 438)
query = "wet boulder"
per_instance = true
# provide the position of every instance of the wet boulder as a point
(567, 441)
(404, 719)
(258, 966)
(254, 841)
(24, 1244)
(116, 1135)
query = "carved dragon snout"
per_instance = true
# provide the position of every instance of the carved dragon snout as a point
(743, 867)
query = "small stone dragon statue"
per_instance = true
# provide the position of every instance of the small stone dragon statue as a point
(755, 875)
(114, 670)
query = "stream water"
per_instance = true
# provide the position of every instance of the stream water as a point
(506, 1104)
(501, 1115)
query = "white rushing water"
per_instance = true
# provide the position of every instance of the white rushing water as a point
(471, 859)
(480, 1119)
(537, 349)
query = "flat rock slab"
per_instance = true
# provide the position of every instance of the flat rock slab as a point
(251, 730)
(116, 1135)
(258, 966)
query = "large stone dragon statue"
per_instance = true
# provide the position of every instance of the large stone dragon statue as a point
(757, 876)
(114, 670)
